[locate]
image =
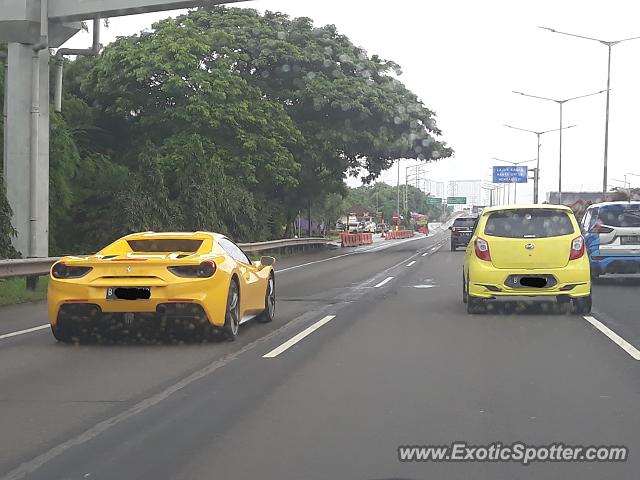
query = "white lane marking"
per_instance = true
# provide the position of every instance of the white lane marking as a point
(312, 263)
(383, 282)
(425, 254)
(410, 263)
(425, 286)
(615, 338)
(296, 338)
(22, 332)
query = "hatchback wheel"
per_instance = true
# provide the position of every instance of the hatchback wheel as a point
(465, 296)
(474, 305)
(582, 305)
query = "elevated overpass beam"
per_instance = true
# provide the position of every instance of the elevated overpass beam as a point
(65, 10)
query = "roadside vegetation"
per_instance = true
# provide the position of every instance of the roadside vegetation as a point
(223, 119)
(13, 290)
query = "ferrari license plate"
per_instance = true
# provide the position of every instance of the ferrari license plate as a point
(128, 293)
(629, 240)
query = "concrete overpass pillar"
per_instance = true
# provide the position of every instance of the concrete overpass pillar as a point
(17, 150)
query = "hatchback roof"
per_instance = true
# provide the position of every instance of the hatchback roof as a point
(533, 206)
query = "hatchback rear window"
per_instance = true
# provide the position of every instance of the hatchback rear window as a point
(533, 223)
(165, 245)
(464, 222)
(620, 215)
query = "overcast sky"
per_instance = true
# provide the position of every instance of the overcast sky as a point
(464, 58)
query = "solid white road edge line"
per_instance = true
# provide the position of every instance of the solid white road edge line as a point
(383, 282)
(410, 263)
(615, 338)
(22, 332)
(295, 339)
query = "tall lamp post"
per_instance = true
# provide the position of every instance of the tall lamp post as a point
(536, 171)
(560, 104)
(490, 189)
(608, 44)
(515, 185)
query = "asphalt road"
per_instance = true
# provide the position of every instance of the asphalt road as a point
(390, 358)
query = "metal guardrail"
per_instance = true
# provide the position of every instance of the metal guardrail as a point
(40, 266)
(284, 243)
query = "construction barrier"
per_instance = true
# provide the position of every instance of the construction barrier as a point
(395, 234)
(355, 239)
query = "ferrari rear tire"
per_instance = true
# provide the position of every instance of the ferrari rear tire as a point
(61, 334)
(232, 315)
(269, 302)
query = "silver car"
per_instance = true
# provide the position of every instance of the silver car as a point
(612, 237)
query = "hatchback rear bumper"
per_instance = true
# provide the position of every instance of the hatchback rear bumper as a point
(487, 281)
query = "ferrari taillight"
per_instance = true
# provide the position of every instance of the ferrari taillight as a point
(205, 270)
(63, 271)
(577, 248)
(482, 249)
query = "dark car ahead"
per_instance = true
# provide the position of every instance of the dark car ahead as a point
(461, 230)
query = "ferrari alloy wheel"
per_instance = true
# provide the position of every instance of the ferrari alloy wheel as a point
(232, 317)
(269, 302)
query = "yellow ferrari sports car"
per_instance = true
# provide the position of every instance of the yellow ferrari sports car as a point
(199, 281)
(526, 251)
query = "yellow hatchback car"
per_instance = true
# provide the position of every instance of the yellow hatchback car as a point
(527, 251)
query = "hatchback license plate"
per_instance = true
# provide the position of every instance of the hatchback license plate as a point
(128, 293)
(629, 240)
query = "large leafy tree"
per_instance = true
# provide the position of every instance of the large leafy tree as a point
(353, 112)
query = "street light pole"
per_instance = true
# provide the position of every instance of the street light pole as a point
(560, 159)
(560, 103)
(606, 126)
(536, 171)
(609, 45)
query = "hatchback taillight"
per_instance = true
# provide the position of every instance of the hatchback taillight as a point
(63, 271)
(482, 249)
(577, 248)
(205, 270)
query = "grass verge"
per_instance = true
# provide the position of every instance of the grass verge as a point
(14, 290)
